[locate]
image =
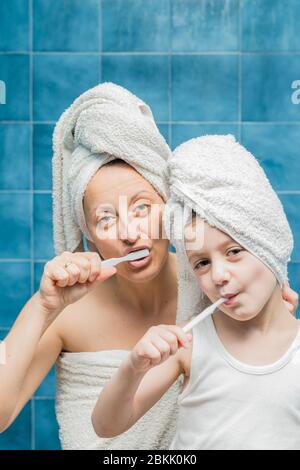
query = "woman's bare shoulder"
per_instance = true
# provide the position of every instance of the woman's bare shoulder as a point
(79, 322)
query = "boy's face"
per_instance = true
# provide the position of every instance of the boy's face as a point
(222, 266)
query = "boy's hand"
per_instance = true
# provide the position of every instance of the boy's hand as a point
(157, 345)
(290, 298)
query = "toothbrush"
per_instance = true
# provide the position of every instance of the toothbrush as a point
(205, 313)
(134, 255)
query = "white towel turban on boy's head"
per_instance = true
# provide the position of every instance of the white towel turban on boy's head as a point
(105, 123)
(225, 185)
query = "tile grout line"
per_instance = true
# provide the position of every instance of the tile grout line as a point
(30, 5)
(100, 40)
(48, 191)
(170, 111)
(240, 70)
(173, 122)
(184, 53)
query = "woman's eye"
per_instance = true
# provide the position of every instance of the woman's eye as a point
(141, 209)
(104, 221)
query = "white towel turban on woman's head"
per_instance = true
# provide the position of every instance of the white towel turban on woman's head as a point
(224, 184)
(105, 123)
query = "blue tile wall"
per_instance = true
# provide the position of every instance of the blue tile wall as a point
(63, 76)
(145, 75)
(204, 88)
(130, 26)
(205, 25)
(266, 90)
(14, 31)
(66, 26)
(204, 66)
(270, 25)
(15, 74)
(15, 146)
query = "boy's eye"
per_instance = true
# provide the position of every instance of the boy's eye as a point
(235, 251)
(205, 262)
(201, 264)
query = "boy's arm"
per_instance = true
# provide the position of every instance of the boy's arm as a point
(131, 392)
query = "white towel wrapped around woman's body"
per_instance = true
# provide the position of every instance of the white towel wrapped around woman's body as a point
(80, 378)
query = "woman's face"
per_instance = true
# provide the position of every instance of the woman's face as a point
(222, 266)
(123, 213)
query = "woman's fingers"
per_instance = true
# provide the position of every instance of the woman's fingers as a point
(94, 266)
(66, 271)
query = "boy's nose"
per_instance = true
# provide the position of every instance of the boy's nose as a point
(220, 275)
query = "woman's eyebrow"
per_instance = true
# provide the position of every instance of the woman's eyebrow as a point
(104, 208)
(109, 208)
(140, 193)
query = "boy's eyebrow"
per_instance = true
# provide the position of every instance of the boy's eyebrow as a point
(202, 253)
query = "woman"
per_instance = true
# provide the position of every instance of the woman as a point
(84, 326)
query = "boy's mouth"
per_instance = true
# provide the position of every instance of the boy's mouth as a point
(231, 299)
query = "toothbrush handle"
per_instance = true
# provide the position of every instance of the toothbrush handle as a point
(189, 326)
(109, 262)
(205, 313)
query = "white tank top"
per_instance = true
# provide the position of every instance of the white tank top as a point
(231, 405)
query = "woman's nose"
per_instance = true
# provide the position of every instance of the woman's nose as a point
(128, 231)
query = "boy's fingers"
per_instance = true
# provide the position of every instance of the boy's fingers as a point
(171, 338)
(289, 294)
(289, 306)
(290, 297)
(181, 335)
(151, 353)
(163, 347)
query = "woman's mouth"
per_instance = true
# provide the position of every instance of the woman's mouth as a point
(141, 263)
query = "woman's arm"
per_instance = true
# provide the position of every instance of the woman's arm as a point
(27, 357)
(141, 380)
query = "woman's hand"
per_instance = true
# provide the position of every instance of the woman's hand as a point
(157, 345)
(290, 298)
(70, 276)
